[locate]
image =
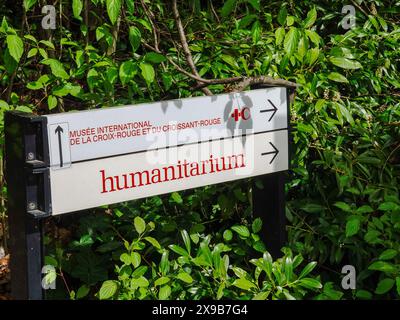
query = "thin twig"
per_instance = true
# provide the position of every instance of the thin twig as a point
(359, 7)
(86, 17)
(151, 18)
(185, 46)
(213, 11)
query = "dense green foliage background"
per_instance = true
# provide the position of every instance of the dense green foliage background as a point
(343, 191)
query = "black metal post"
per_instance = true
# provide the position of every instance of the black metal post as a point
(28, 190)
(269, 205)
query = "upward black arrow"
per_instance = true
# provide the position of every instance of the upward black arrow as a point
(58, 132)
(275, 152)
(273, 110)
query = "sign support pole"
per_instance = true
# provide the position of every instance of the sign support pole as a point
(269, 205)
(269, 202)
(28, 200)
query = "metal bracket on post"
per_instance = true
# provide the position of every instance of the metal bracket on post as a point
(28, 186)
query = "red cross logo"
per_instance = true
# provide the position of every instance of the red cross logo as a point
(244, 114)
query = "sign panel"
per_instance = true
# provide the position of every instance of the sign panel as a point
(99, 182)
(94, 134)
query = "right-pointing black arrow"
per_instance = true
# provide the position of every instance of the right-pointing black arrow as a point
(58, 131)
(273, 110)
(275, 152)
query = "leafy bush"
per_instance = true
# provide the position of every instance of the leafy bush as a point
(343, 193)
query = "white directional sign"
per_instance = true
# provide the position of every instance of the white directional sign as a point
(99, 182)
(112, 155)
(94, 134)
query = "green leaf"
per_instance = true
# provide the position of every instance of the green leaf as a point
(335, 76)
(176, 197)
(342, 205)
(49, 260)
(388, 254)
(320, 103)
(140, 282)
(307, 269)
(256, 225)
(140, 271)
(108, 289)
(244, 284)
(259, 246)
(388, 206)
(291, 41)
(364, 209)
(24, 109)
(167, 80)
(136, 259)
(140, 225)
(372, 237)
(185, 277)
(289, 21)
(147, 72)
(134, 38)
(125, 258)
(310, 283)
(229, 60)
(288, 267)
(384, 286)
(33, 52)
(186, 240)
(57, 69)
(255, 4)
(82, 292)
(15, 46)
(164, 263)
(282, 15)
(312, 55)
(364, 294)
(382, 266)
(127, 71)
(153, 242)
(47, 43)
(398, 285)
(161, 281)
(310, 19)
(153, 57)
(313, 208)
(164, 293)
(314, 37)
(242, 231)
(246, 20)
(35, 85)
(256, 32)
(228, 7)
(220, 292)
(179, 250)
(50, 277)
(77, 7)
(29, 4)
(113, 9)
(279, 35)
(227, 235)
(261, 296)
(352, 226)
(345, 63)
(52, 102)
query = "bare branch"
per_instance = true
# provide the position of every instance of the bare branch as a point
(150, 16)
(263, 80)
(359, 8)
(185, 46)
